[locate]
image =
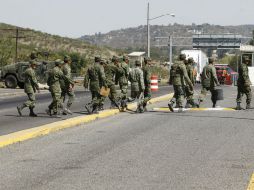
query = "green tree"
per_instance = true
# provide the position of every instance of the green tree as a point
(6, 51)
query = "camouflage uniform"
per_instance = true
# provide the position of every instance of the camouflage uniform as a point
(179, 77)
(111, 69)
(96, 77)
(55, 76)
(122, 78)
(147, 81)
(30, 87)
(188, 92)
(65, 87)
(243, 84)
(137, 85)
(209, 81)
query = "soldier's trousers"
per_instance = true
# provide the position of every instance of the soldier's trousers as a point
(71, 97)
(147, 94)
(179, 95)
(241, 90)
(189, 95)
(56, 101)
(204, 93)
(124, 90)
(97, 99)
(31, 100)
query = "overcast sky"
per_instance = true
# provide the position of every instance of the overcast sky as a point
(74, 18)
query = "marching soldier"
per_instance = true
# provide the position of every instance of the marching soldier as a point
(243, 84)
(55, 75)
(95, 76)
(67, 88)
(137, 86)
(209, 81)
(122, 78)
(147, 81)
(178, 77)
(188, 92)
(111, 69)
(30, 87)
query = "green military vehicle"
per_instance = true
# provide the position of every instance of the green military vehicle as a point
(13, 75)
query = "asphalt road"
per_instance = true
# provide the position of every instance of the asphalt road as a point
(201, 150)
(10, 121)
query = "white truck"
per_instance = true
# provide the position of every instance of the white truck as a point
(200, 60)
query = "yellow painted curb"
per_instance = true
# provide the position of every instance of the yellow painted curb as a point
(251, 184)
(56, 126)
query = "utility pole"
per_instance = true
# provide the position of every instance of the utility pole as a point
(16, 37)
(148, 32)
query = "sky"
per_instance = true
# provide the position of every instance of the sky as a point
(75, 18)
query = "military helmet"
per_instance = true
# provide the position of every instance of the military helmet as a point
(190, 60)
(33, 62)
(125, 57)
(182, 56)
(210, 60)
(246, 58)
(33, 55)
(67, 58)
(146, 59)
(58, 62)
(115, 58)
(137, 63)
(97, 59)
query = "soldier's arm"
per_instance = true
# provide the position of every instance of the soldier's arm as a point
(186, 77)
(86, 80)
(102, 76)
(34, 80)
(147, 76)
(141, 80)
(214, 75)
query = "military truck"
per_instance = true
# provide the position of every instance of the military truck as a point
(13, 75)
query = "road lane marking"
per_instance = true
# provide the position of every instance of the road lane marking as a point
(23, 135)
(194, 109)
(251, 184)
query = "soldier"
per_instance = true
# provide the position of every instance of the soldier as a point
(188, 92)
(67, 88)
(31, 85)
(209, 81)
(122, 78)
(147, 81)
(137, 86)
(243, 84)
(34, 54)
(55, 75)
(111, 69)
(178, 77)
(96, 77)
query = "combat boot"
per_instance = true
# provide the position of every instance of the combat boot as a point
(95, 109)
(48, 111)
(20, 108)
(170, 106)
(67, 111)
(56, 115)
(32, 114)
(248, 106)
(89, 108)
(180, 109)
(238, 106)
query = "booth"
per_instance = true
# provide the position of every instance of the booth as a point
(248, 50)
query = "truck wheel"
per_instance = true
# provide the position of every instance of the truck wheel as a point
(21, 85)
(11, 81)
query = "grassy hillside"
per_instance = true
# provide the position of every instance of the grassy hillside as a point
(81, 52)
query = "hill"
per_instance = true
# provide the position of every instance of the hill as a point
(29, 39)
(135, 38)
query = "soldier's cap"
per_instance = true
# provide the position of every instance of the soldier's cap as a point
(115, 58)
(67, 58)
(182, 56)
(137, 63)
(33, 62)
(125, 57)
(210, 60)
(97, 58)
(190, 60)
(58, 62)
